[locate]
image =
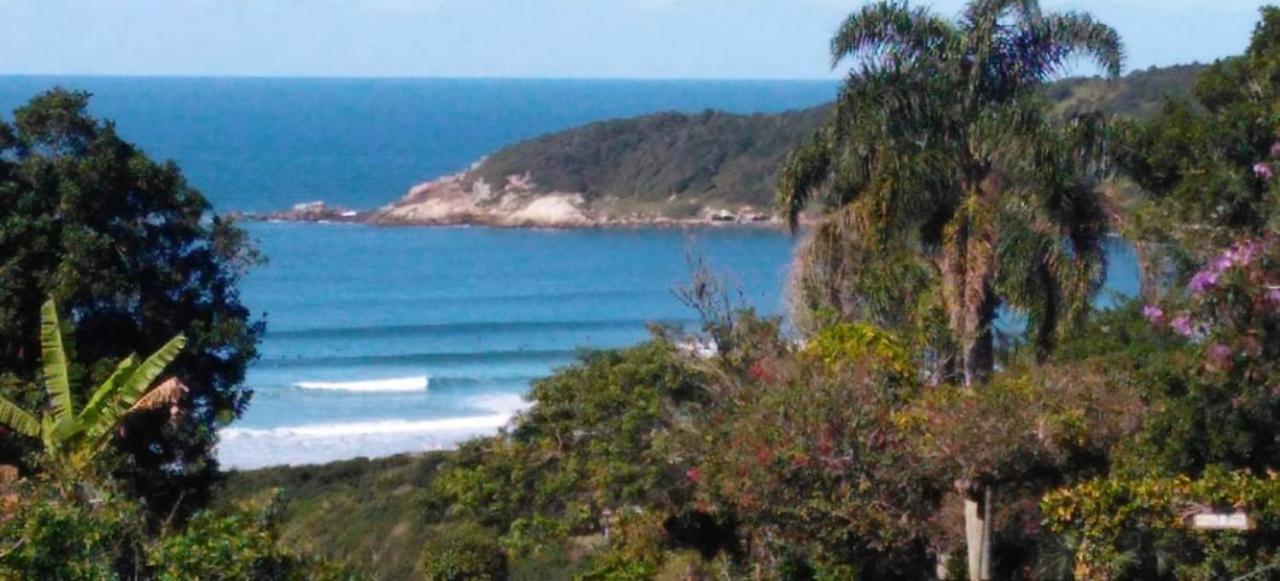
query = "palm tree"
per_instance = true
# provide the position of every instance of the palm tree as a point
(940, 143)
(71, 440)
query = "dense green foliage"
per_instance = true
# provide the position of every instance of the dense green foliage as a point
(242, 545)
(593, 445)
(50, 536)
(135, 256)
(462, 551)
(53, 539)
(73, 519)
(1206, 163)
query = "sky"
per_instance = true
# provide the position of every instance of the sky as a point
(668, 39)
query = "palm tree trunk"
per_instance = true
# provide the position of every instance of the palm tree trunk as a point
(979, 360)
(978, 349)
(968, 271)
(977, 532)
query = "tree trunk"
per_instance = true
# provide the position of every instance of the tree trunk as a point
(978, 348)
(977, 532)
(1148, 272)
(968, 274)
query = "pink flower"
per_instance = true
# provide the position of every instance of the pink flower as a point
(1182, 325)
(1203, 281)
(1273, 295)
(1220, 353)
(694, 475)
(1275, 149)
(1153, 314)
(1246, 252)
(1263, 171)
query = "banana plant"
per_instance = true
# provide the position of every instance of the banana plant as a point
(73, 439)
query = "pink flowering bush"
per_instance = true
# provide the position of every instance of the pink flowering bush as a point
(1232, 303)
(1221, 398)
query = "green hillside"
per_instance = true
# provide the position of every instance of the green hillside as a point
(1140, 94)
(734, 159)
(714, 156)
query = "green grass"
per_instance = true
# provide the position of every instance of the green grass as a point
(371, 514)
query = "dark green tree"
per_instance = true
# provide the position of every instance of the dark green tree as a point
(135, 256)
(1207, 165)
(941, 146)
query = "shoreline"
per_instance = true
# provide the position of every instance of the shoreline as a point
(377, 220)
(460, 200)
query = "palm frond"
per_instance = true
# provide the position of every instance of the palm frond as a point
(54, 360)
(1076, 33)
(890, 28)
(106, 393)
(805, 170)
(163, 396)
(146, 373)
(129, 391)
(18, 419)
(992, 10)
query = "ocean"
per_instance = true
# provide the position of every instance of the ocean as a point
(388, 340)
(260, 144)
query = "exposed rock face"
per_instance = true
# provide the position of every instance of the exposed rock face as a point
(456, 200)
(467, 199)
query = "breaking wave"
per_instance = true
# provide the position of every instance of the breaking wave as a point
(249, 448)
(394, 385)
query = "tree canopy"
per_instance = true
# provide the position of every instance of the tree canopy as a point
(134, 255)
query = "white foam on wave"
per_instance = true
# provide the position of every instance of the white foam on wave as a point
(394, 385)
(502, 403)
(249, 448)
(379, 428)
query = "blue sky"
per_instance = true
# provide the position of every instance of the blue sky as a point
(742, 39)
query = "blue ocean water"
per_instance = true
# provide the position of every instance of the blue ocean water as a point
(386, 340)
(477, 312)
(268, 143)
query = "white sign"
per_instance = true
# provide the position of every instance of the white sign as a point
(1223, 521)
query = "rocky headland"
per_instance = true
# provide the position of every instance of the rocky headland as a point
(668, 169)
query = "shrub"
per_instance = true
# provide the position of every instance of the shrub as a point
(1119, 523)
(802, 450)
(592, 441)
(236, 546)
(49, 538)
(458, 551)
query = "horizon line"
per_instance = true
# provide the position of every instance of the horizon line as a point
(181, 76)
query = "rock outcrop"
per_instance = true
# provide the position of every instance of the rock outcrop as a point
(466, 199)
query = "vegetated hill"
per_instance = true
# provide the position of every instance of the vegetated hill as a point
(714, 156)
(732, 160)
(372, 514)
(1139, 94)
